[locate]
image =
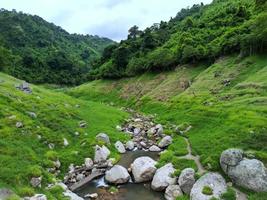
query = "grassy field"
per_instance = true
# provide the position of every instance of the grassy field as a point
(24, 155)
(225, 103)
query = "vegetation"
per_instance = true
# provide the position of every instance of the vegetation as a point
(24, 152)
(197, 34)
(41, 52)
(207, 190)
(229, 195)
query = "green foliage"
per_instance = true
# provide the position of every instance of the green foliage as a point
(200, 33)
(230, 194)
(207, 190)
(40, 52)
(258, 196)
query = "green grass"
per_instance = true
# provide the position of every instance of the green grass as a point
(207, 190)
(23, 155)
(221, 116)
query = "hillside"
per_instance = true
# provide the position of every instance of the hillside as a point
(41, 52)
(224, 103)
(201, 33)
(47, 118)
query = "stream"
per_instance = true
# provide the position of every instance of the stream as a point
(130, 191)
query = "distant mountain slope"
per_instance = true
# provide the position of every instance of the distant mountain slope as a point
(196, 34)
(38, 51)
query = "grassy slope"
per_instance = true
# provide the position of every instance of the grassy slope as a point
(221, 116)
(22, 155)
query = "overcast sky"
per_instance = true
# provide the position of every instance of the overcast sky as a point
(107, 18)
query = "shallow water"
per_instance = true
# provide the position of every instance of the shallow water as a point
(128, 191)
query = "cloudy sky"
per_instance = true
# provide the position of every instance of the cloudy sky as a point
(108, 18)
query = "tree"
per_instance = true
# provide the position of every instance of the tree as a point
(134, 32)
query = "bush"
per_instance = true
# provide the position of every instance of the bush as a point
(26, 191)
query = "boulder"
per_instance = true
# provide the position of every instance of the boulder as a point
(212, 180)
(143, 169)
(88, 162)
(154, 148)
(5, 193)
(36, 181)
(103, 137)
(37, 197)
(101, 154)
(250, 174)
(172, 192)
(19, 124)
(129, 145)
(166, 141)
(159, 129)
(230, 158)
(187, 180)
(163, 178)
(117, 175)
(120, 147)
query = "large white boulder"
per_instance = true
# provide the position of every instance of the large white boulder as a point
(187, 180)
(230, 158)
(120, 147)
(117, 175)
(101, 154)
(166, 141)
(143, 169)
(71, 195)
(212, 180)
(163, 178)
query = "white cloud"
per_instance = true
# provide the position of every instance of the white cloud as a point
(108, 18)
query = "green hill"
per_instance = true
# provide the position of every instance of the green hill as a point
(25, 152)
(41, 52)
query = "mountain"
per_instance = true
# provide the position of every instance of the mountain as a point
(201, 33)
(41, 52)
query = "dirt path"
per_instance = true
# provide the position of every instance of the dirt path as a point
(189, 156)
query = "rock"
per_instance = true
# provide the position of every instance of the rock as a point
(37, 197)
(80, 177)
(250, 174)
(32, 114)
(187, 180)
(57, 164)
(76, 133)
(143, 169)
(65, 142)
(118, 127)
(25, 87)
(120, 147)
(159, 129)
(62, 185)
(82, 124)
(103, 137)
(143, 144)
(230, 158)
(71, 168)
(163, 178)
(5, 193)
(19, 124)
(51, 146)
(91, 196)
(101, 154)
(166, 141)
(129, 145)
(36, 181)
(154, 148)
(117, 175)
(136, 131)
(71, 195)
(213, 180)
(172, 192)
(88, 162)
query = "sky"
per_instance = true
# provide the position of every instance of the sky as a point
(106, 18)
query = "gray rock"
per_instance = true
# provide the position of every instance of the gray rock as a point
(213, 180)
(19, 124)
(129, 145)
(187, 180)
(103, 137)
(159, 129)
(136, 131)
(88, 162)
(166, 141)
(65, 142)
(37, 197)
(172, 192)
(154, 148)
(91, 196)
(250, 174)
(117, 175)
(230, 158)
(32, 114)
(36, 181)
(82, 124)
(101, 154)
(5, 193)
(80, 177)
(143, 169)
(163, 178)
(57, 164)
(120, 147)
